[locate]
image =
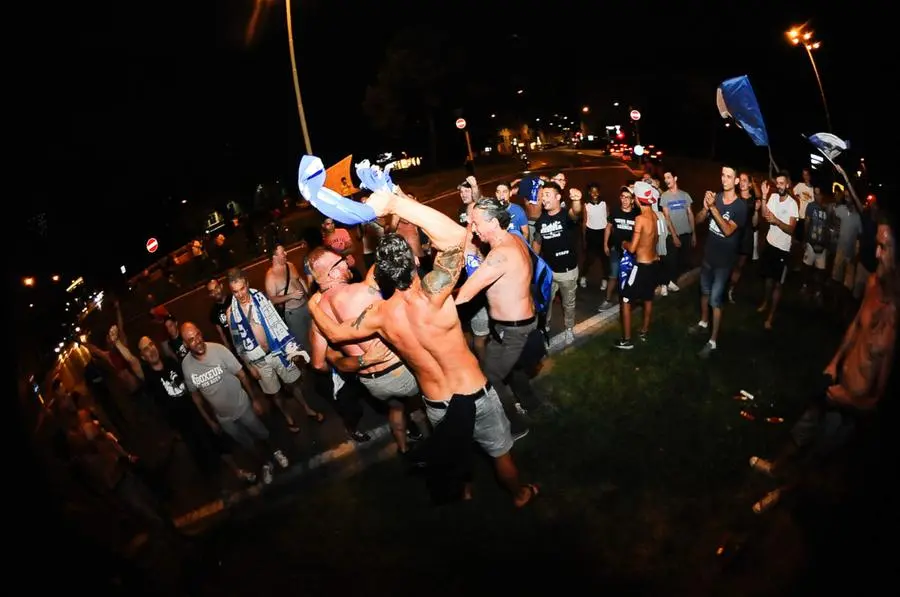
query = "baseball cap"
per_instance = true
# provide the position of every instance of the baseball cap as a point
(645, 193)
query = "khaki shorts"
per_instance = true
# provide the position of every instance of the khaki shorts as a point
(396, 384)
(272, 372)
(843, 271)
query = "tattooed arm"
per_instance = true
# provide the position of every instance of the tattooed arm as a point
(487, 273)
(365, 325)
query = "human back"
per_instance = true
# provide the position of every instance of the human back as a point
(429, 338)
(646, 252)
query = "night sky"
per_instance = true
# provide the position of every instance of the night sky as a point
(130, 110)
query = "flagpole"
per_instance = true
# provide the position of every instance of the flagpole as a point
(302, 114)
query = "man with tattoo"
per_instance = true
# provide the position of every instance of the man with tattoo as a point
(420, 322)
(386, 378)
(505, 276)
(856, 377)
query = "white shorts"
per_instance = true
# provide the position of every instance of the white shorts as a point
(810, 257)
(272, 372)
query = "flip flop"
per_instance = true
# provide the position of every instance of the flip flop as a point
(535, 491)
(318, 417)
(294, 428)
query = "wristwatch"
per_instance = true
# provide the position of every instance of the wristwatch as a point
(360, 362)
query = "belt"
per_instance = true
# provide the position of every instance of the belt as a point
(444, 404)
(378, 374)
(514, 324)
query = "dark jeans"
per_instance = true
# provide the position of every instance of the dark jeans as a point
(677, 259)
(347, 402)
(823, 427)
(501, 356)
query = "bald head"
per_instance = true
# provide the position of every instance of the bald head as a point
(193, 339)
(326, 266)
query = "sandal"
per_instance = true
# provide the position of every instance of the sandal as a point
(318, 417)
(293, 428)
(534, 489)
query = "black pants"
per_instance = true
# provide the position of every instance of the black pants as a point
(678, 259)
(347, 404)
(502, 354)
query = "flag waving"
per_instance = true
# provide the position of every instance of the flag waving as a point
(735, 99)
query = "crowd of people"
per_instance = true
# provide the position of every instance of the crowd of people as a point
(446, 319)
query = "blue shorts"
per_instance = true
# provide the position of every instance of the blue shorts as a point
(713, 281)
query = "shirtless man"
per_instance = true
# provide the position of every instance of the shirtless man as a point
(420, 321)
(641, 283)
(506, 276)
(856, 377)
(285, 287)
(386, 378)
(266, 366)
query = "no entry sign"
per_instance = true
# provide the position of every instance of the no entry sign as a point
(635, 115)
(460, 123)
(152, 245)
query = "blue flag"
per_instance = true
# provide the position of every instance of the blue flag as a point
(829, 145)
(735, 99)
(310, 181)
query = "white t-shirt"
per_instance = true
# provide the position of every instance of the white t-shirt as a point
(784, 211)
(595, 215)
(804, 194)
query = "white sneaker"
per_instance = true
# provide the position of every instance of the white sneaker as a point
(663, 291)
(604, 284)
(673, 287)
(582, 281)
(570, 336)
(267, 473)
(281, 459)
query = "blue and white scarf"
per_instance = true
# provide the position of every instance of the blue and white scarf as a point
(278, 336)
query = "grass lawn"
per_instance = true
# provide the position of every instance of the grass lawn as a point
(642, 470)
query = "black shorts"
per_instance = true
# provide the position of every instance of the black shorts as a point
(641, 283)
(800, 230)
(773, 264)
(593, 241)
(746, 246)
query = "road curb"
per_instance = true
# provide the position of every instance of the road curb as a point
(351, 458)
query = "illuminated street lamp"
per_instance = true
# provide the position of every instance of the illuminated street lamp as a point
(55, 277)
(586, 109)
(802, 36)
(29, 281)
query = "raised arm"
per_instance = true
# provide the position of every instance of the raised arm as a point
(132, 360)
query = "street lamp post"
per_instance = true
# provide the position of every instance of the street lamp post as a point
(799, 36)
(290, 30)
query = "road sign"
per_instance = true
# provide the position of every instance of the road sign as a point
(460, 123)
(152, 245)
(635, 115)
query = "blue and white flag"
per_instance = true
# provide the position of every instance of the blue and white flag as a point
(373, 178)
(310, 181)
(829, 145)
(735, 99)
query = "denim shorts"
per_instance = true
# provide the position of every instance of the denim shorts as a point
(713, 281)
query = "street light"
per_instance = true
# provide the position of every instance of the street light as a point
(586, 109)
(801, 36)
(29, 281)
(55, 277)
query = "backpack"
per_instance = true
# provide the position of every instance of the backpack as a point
(541, 285)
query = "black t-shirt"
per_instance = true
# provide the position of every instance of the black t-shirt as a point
(217, 315)
(178, 347)
(558, 235)
(721, 250)
(168, 389)
(622, 226)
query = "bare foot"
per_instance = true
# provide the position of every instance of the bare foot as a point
(762, 308)
(768, 324)
(526, 494)
(467, 492)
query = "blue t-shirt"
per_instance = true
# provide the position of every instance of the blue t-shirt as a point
(721, 250)
(816, 226)
(517, 217)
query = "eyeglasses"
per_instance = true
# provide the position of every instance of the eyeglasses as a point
(343, 259)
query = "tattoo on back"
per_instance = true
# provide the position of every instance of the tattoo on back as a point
(447, 267)
(358, 321)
